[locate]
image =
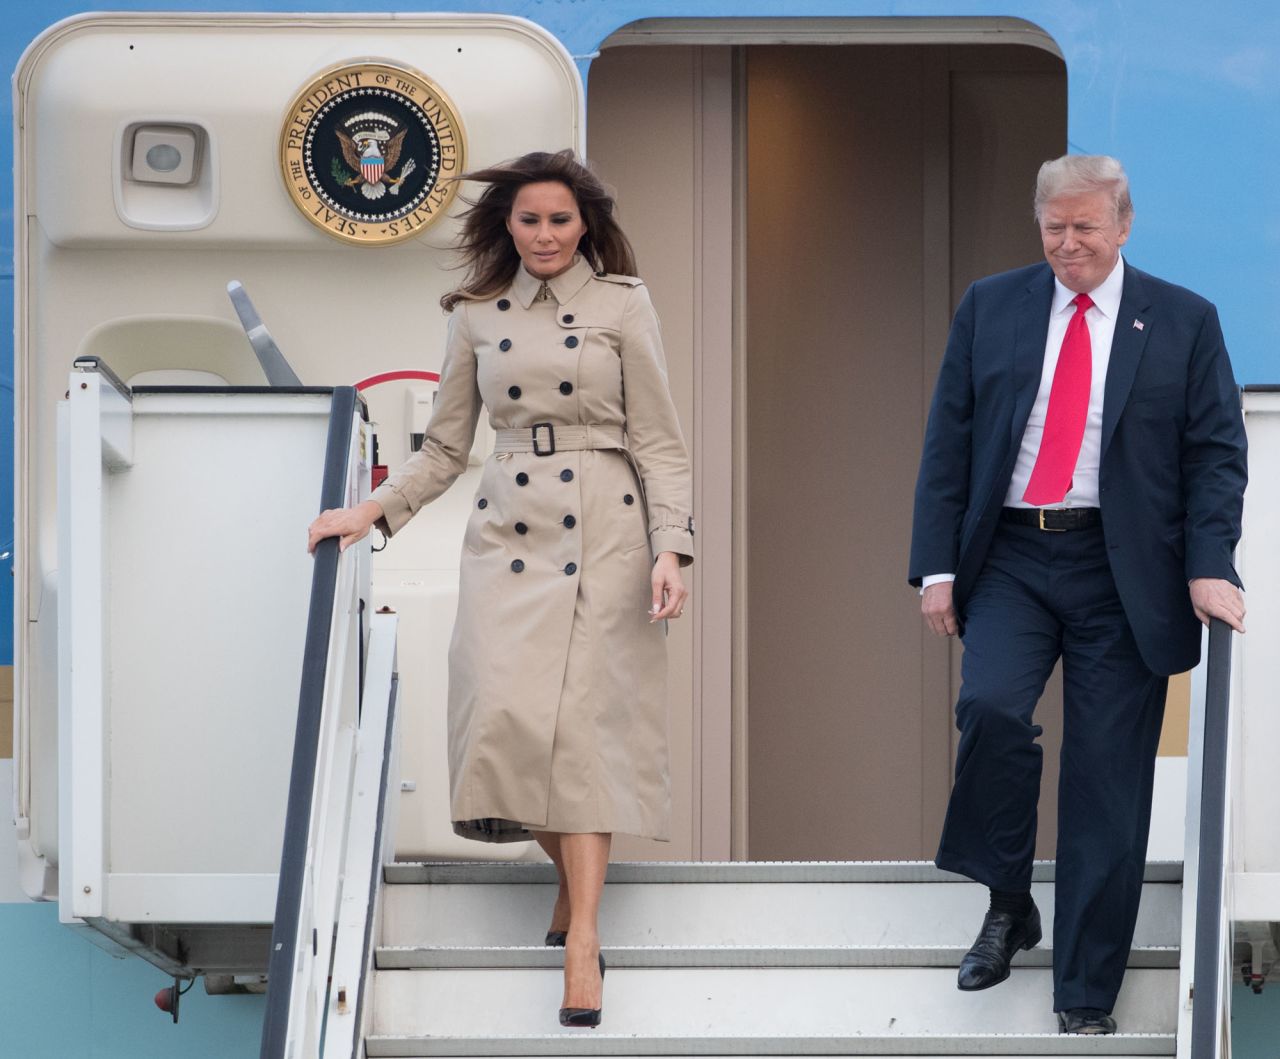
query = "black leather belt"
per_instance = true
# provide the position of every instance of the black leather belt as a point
(1052, 519)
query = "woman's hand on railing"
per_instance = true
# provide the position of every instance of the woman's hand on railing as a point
(349, 523)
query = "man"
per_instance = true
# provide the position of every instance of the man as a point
(1079, 497)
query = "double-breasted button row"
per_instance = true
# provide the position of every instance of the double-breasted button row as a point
(565, 476)
(517, 567)
(514, 392)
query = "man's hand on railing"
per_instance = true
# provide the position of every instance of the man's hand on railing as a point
(349, 523)
(1212, 597)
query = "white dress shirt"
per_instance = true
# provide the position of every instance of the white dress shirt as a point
(1101, 318)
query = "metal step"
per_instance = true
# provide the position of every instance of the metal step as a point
(883, 871)
(688, 1010)
(752, 914)
(420, 957)
(587, 1042)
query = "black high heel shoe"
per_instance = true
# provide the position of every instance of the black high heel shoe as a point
(556, 938)
(585, 1017)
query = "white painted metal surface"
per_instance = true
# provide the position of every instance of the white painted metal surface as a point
(91, 280)
(741, 958)
(861, 914)
(369, 846)
(181, 632)
(1255, 794)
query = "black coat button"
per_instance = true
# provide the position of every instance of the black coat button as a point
(570, 522)
(566, 475)
(482, 503)
(521, 528)
(522, 479)
(517, 566)
(628, 499)
(514, 393)
(572, 568)
(571, 341)
(503, 305)
(567, 318)
(504, 345)
(566, 388)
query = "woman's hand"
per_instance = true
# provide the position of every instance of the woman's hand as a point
(669, 593)
(349, 523)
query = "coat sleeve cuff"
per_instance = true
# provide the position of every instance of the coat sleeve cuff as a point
(673, 539)
(395, 509)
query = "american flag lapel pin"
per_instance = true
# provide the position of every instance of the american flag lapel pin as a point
(1138, 325)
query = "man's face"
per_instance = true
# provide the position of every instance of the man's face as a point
(1082, 238)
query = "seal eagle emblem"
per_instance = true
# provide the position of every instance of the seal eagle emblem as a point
(367, 151)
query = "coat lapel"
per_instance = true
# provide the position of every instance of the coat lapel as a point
(1028, 351)
(1133, 325)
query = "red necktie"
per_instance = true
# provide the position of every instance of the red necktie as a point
(1068, 410)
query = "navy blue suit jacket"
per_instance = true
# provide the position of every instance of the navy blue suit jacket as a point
(1172, 471)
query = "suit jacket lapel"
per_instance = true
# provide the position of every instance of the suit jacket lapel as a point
(1133, 325)
(1028, 351)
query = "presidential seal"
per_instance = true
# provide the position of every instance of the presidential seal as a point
(367, 150)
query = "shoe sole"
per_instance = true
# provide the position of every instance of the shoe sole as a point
(1029, 942)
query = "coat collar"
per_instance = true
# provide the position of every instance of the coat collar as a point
(525, 285)
(1133, 326)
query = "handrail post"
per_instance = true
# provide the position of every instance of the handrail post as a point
(284, 931)
(1210, 915)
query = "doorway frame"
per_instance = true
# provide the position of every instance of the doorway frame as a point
(719, 434)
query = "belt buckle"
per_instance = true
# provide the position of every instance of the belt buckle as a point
(1048, 529)
(551, 434)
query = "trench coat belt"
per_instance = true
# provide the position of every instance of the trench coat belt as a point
(543, 439)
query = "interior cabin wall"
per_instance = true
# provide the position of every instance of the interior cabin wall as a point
(875, 183)
(644, 111)
(881, 181)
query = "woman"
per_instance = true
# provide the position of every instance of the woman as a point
(571, 559)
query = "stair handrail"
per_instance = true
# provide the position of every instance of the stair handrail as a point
(306, 746)
(1208, 997)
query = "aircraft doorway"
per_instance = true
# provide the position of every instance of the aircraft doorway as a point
(807, 217)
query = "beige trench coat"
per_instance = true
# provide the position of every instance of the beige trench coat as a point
(557, 679)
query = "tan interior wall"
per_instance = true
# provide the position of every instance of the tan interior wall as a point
(880, 179)
(642, 106)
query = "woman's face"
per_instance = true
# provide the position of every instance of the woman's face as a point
(545, 225)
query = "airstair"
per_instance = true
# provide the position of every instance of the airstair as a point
(372, 957)
(375, 958)
(739, 959)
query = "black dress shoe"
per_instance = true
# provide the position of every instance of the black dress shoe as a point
(556, 938)
(1002, 934)
(1085, 1020)
(588, 1017)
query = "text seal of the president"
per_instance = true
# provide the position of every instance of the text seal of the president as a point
(368, 150)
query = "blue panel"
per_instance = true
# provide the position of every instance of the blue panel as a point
(65, 997)
(1254, 1021)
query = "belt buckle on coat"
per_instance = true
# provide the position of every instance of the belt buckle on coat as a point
(551, 434)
